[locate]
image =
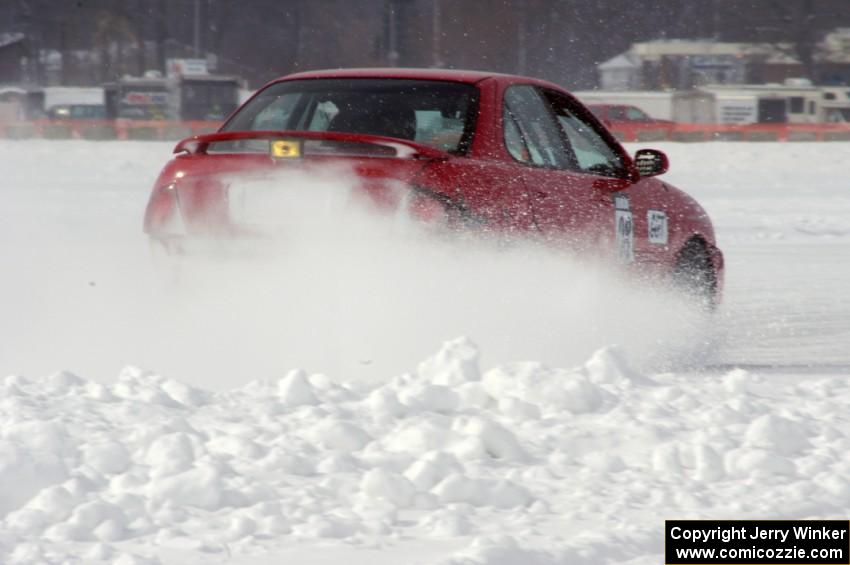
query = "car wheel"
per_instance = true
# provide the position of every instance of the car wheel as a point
(694, 274)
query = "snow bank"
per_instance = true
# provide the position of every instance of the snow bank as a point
(515, 463)
(520, 463)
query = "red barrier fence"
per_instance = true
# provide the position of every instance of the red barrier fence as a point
(174, 130)
(729, 132)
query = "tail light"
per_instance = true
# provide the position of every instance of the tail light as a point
(163, 217)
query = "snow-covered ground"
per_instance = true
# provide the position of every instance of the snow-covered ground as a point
(388, 447)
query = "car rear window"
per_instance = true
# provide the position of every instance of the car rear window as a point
(435, 113)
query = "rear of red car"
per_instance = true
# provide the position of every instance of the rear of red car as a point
(382, 133)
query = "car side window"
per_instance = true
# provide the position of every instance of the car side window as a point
(592, 152)
(538, 131)
(617, 114)
(637, 115)
(513, 139)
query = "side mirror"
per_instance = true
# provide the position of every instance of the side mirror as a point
(651, 162)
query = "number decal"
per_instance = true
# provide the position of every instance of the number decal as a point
(657, 222)
(625, 228)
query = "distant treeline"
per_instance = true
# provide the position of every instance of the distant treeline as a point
(84, 42)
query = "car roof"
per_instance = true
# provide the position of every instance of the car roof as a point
(453, 75)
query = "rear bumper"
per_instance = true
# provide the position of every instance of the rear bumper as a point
(209, 248)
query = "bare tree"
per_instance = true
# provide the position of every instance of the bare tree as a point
(561, 40)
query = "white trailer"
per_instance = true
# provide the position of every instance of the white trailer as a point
(67, 95)
(685, 106)
(835, 104)
(767, 103)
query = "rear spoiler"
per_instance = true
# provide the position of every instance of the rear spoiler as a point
(404, 149)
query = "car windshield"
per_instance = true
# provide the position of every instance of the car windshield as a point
(435, 113)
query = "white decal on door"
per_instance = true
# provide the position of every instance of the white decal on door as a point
(656, 220)
(625, 229)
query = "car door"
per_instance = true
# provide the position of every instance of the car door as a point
(568, 203)
(479, 181)
(641, 216)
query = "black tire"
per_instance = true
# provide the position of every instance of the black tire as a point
(694, 274)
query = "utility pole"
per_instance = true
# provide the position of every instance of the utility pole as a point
(392, 32)
(437, 30)
(161, 34)
(521, 52)
(66, 55)
(197, 29)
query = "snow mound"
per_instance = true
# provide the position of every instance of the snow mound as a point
(127, 472)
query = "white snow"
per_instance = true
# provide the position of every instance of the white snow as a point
(468, 454)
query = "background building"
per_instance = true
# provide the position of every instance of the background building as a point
(687, 64)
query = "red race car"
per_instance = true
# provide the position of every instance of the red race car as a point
(473, 150)
(630, 122)
(615, 113)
